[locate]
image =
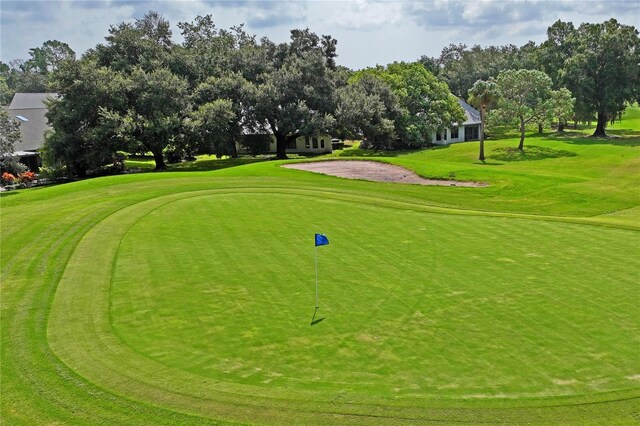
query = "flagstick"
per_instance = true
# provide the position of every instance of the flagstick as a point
(317, 278)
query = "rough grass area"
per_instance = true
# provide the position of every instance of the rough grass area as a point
(186, 297)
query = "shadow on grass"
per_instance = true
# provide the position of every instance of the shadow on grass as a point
(8, 193)
(366, 153)
(382, 153)
(315, 321)
(622, 137)
(146, 164)
(213, 164)
(615, 140)
(530, 153)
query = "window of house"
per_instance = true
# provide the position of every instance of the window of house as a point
(307, 143)
(292, 144)
(454, 132)
(438, 136)
(321, 143)
(315, 142)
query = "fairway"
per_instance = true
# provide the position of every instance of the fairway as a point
(188, 297)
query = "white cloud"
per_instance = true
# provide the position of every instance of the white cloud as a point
(367, 15)
(368, 31)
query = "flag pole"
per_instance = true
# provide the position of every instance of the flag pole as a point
(317, 278)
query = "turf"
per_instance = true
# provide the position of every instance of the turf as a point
(187, 297)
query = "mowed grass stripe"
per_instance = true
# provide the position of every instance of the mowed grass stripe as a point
(50, 391)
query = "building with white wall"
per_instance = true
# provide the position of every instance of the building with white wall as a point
(469, 130)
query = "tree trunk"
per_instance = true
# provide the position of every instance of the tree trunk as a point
(540, 129)
(521, 145)
(233, 148)
(281, 146)
(157, 156)
(560, 126)
(602, 125)
(481, 154)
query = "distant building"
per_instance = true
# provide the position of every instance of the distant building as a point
(29, 110)
(469, 130)
(319, 144)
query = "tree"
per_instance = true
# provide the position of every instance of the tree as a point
(554, 51)
(6, 94)
(431, 64)
(603, 72)
(23, 77)
(295, 95)
(562, 104)
(483, 95)
(462, 66)
(32, 75)
(153, 119)
(157, 103)
(233, 97)
(426, 104)
(9, 137)
(82, 140)
(214, 126)
(145, 44)
(524, 97)
(558, 107)
(368, 108)
(49, 56)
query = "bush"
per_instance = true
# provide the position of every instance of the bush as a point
(13, 166)
(173, 154)
(53, 173)
(26, 178)
(8, 178)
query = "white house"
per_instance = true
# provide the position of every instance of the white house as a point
(469, 130)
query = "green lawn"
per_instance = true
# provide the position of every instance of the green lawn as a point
(187, 297)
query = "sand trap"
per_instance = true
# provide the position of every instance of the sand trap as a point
(372, 170)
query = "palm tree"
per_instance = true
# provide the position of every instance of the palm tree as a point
(483, 95)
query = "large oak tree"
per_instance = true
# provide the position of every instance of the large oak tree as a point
(603, 71)
(295, 96)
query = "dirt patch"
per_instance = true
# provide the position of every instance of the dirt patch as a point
(374, 171)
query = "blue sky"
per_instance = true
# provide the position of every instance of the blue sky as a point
(368, 32)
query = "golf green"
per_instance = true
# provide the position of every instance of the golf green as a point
(207, 297)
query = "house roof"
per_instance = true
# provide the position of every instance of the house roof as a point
(30, 100)
(29, 110)
(473, 115)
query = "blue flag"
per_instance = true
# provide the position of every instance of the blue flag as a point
(321, 240)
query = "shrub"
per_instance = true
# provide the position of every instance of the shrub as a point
(8, 178)
(173, 154)
(53, 173)
(26, 178)
(12, 166)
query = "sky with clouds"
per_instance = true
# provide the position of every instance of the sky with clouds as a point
(369, 32)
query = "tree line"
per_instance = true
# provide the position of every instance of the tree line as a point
(141, 92)
(599, 64)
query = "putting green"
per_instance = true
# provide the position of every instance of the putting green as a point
(202, 302)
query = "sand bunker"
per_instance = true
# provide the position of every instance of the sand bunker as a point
(372, 170)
